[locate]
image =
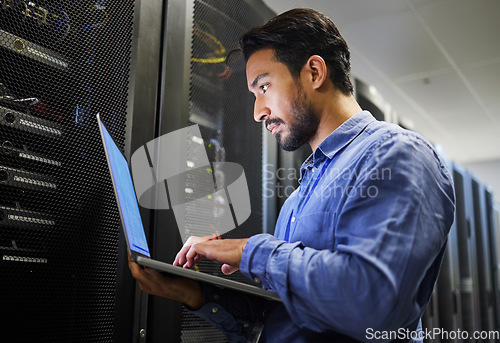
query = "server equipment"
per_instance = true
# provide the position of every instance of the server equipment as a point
(483, 263)
(199, 85)
(371, 100)
(493, 236)
(447, 289)
(467, 260)
(61, 62)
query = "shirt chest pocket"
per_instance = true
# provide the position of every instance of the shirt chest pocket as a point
(316, 230)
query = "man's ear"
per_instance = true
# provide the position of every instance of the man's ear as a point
(317, 72)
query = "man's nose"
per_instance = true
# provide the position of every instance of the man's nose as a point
(260, 112)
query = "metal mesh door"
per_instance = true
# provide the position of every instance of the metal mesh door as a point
(223, 108)
(61, 63)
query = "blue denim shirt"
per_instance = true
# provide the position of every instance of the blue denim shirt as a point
(357, 247)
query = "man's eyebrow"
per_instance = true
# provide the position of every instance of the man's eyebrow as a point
(257, 79)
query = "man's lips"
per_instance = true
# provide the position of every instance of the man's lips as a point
(273, 127)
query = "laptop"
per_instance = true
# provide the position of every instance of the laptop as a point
(135, 237)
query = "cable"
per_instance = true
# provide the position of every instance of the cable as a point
(214, 44)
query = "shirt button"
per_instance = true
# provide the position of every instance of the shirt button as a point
(214, 309)
(256, 279)
(314, 169)
(293, 219)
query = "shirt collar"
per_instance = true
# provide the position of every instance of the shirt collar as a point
(338, 139)
(342, 136)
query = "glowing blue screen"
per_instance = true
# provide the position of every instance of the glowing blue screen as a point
(125, 193)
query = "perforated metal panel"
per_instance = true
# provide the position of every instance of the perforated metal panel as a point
(61, 63)
(223, 108)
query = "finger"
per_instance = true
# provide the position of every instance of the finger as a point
(132, 266)
(192, 256)
(196, 259)
(180, 258)
(193, 263)
(228, 269)
(135, 269)
(189, 258)
(137, 272)
(182, 255)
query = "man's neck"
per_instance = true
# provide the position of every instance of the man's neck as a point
(334, 112)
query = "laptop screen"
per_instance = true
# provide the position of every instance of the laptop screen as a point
(125, 194)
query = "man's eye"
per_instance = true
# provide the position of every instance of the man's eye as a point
(264, 88)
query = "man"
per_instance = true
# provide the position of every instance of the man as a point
(358, 246)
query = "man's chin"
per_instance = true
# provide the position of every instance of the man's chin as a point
(289, 144)
(289, 148)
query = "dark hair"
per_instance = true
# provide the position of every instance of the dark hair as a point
(298, 34)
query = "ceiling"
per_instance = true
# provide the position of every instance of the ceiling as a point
(435, 62)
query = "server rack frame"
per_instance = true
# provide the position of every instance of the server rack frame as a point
(492, 239)
(482, 248)
(39, 52)
(141, 127)
(448, 283)
(162, 72)
(466, 250)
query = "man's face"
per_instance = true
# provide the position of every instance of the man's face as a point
(280, 100)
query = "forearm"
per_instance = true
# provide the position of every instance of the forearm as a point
(188, 292)
(325, 290)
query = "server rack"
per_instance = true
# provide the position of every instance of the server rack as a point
(492, 241)
(482, 248)
(197, 87)
(371, 100)
(448, 283)
(430, 318)
(142, 117)
(62, 265)
(496, 228)
(466, 250)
